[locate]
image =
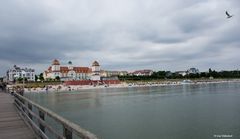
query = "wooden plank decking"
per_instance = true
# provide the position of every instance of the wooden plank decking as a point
(11, 124)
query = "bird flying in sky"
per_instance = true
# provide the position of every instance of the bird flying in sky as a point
(228, 15)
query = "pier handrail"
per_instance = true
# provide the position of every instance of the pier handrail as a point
(25, 106)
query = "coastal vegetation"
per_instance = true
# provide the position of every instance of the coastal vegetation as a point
(163, 75)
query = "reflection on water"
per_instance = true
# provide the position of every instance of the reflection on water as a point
(187, 111)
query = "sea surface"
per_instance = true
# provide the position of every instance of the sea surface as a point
(203, 111)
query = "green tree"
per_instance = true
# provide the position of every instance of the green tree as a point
(57, 78)
(41, 78)
(25, 79)
(210, 70)
(36, 77)
(203, 74)
(20, 79)
(215, 74)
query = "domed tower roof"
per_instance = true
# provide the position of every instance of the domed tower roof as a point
(69, 62)
(55, 62)
(95, 63)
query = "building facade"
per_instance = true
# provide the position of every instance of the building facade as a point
(192, 71)
(106, 73)
(145, 72)
(189, 71)
(16, 72)
(95, 76)
(70, 72)
(183, 73)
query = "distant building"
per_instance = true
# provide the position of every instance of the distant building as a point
(17, 72)
(105, 73)
(70, 72)
(145, 72)
(183, 73)
(192, 71)
(94, 77)
(189, 71)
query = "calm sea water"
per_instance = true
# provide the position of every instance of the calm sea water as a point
(171, 112)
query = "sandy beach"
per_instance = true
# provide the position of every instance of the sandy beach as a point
(62, 87)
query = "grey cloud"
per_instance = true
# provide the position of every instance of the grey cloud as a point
(124, 34)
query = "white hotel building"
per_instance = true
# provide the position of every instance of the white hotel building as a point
(70, 72)
(16, 72)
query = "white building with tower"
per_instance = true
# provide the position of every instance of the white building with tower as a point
(70, 72)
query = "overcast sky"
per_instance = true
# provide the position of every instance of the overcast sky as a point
(120, 34)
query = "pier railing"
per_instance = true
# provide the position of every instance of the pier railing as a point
(36, 115)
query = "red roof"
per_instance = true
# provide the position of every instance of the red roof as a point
(81, 69)
(63, 68)
(76, 69)
(89, 70)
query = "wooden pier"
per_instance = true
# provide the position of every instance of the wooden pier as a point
(11, 124)
(15, 108)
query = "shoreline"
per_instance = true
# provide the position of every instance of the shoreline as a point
(69, 88)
